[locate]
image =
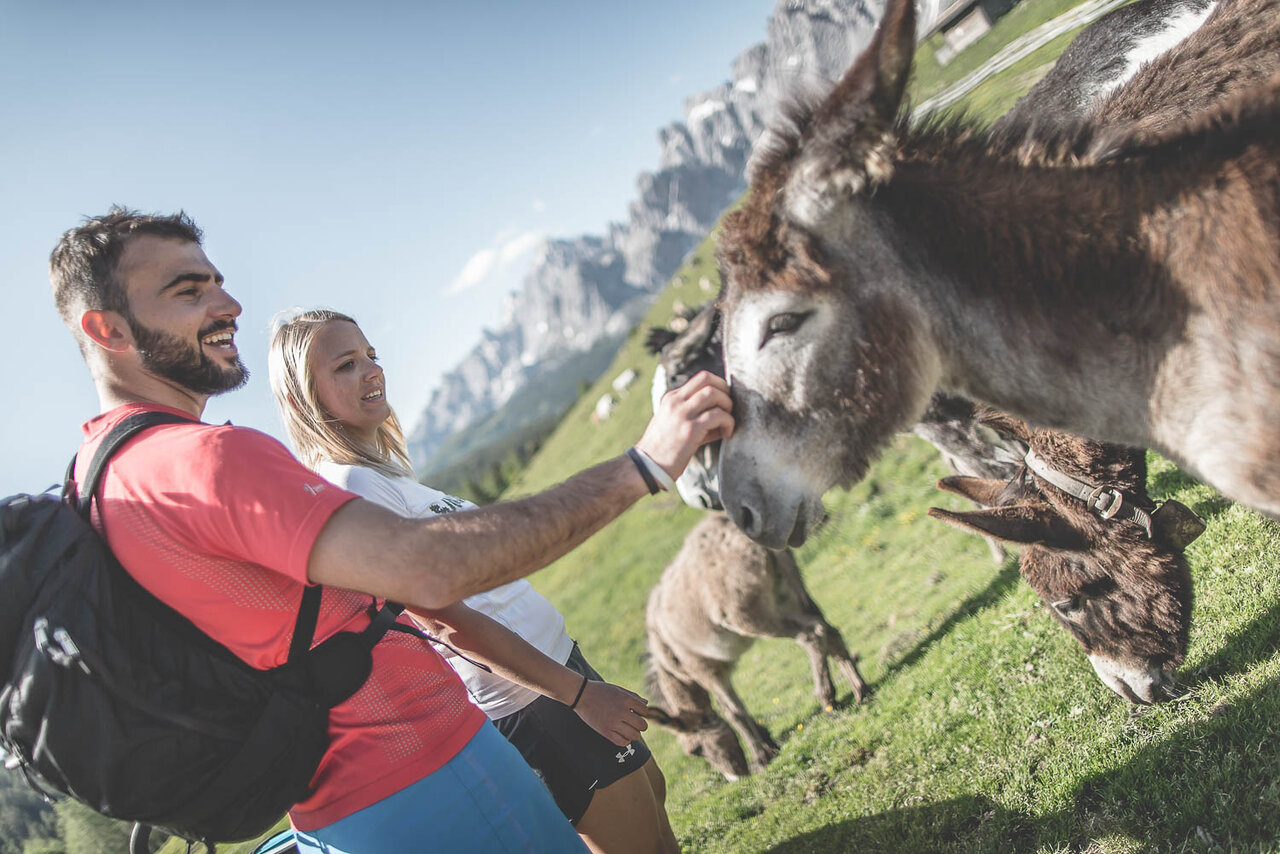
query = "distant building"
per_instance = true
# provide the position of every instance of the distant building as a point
(963, 22)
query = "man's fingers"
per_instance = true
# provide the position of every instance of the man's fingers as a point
(715, 424)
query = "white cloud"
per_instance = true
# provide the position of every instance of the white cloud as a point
(518, 246)
(495, 260)
(474, 271)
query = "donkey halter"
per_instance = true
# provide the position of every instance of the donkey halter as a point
(1105, 501)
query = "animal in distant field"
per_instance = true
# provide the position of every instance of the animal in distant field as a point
(719, 594)
(1103, 278)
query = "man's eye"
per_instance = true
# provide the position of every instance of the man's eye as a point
(188, 292)
(784, 324)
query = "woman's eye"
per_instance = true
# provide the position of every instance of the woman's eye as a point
(347, 365)
(784, 324)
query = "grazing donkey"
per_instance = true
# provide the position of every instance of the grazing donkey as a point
(720, 593)
(1108, 279)
(1095, 548)
(1127, 604)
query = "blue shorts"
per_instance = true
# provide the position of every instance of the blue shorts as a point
(485, 799)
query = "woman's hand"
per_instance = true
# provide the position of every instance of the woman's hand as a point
(613, 711)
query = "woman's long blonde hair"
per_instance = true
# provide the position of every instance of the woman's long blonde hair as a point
(316, 435)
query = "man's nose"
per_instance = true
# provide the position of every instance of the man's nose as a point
(226, 305)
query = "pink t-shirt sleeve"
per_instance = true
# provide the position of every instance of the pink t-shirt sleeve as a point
(248, 499)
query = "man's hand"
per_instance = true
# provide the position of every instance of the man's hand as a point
(688, 417)
(614, 712)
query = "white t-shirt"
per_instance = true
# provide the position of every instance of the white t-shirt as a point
(516, 605)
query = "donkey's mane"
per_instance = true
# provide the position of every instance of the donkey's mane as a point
(1250, 116)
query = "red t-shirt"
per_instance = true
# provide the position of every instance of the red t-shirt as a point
(218, 522)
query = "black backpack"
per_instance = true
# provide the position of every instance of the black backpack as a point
(112, 697)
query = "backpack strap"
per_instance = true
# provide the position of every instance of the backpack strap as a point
(309, 608)
(114, 440)
(304, 630)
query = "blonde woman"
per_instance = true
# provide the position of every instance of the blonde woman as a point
(509, 645)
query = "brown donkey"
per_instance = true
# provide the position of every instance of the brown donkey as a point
(1105, 278)
(1095, 548)
(1128, 605)
(718, 596)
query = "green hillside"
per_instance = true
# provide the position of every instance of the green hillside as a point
(988, 730)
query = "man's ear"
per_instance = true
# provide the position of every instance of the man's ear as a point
(108, 329)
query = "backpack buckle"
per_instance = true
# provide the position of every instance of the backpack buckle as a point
(60, 648)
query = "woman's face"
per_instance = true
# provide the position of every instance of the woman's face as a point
(348, 379)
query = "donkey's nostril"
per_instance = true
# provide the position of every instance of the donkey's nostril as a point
(747, 521)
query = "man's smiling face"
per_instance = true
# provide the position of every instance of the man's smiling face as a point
(182, 319)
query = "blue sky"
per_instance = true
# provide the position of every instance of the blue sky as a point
(394, 160)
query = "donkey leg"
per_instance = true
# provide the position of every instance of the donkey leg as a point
(823, 641)
(820, 639)
(760, 745)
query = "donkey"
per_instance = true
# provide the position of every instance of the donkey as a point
(1108, 279)
(1104, 57)
(720, 593)
(1127, 605)
(967, 446)
(1117, 579)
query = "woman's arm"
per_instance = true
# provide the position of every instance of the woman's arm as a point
(614, 712)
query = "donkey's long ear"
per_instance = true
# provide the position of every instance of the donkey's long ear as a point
(1021, 523)
(658, 337)
(980, 490)
(847, 145)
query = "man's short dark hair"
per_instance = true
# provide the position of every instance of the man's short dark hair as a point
(82, 267)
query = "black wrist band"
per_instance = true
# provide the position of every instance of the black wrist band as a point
(581, 688)
(649, 480)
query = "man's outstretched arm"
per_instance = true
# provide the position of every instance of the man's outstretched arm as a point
(432, 563)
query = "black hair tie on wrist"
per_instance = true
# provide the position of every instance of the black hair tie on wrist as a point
(649, 479)
(581, 688)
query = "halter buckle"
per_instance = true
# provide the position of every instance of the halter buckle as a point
(1105, 501)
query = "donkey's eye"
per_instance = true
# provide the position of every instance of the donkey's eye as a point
(784, 324)
(1069, 606)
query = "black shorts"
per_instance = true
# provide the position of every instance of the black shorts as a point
(571, 758)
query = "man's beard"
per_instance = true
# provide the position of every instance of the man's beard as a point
(170, 357)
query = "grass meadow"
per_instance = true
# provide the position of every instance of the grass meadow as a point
(986, 730)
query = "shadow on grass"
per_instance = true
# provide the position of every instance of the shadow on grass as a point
(970, 823)
(997, 588)
(1246, 648)
(1166, 484)
(1213, 785)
